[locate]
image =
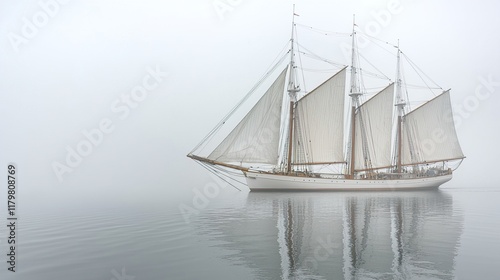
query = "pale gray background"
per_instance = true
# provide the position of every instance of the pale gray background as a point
(65, 78)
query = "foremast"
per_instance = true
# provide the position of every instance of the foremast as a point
(239, 146)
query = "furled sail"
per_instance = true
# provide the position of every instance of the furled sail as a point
(319, 123)
(429, 133)
(256, 138)
(373, 129)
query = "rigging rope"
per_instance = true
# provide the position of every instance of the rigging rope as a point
(218, 174)
(235, 108)
(300, 62)
(324, 32)
(374, 39)
(374, 74)
(413, 65)
(313, 55)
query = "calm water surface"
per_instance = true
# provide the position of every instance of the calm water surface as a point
(446, 234)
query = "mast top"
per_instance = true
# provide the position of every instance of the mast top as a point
(353, 23)
(400, 99)
(293, 23)
(355, 91)
(292, 88)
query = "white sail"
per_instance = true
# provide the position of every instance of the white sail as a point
(429, 133)
(373, 127)
(256, 138)
(319, 123)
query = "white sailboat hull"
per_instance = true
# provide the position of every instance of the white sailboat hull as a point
(262, 181)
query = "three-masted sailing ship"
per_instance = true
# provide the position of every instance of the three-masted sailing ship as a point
(321, 141)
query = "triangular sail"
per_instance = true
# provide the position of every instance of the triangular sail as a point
(319, 123)
(429, 133)
(373, 127)
(256, 138)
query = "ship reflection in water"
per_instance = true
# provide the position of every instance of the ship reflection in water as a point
(398, 235)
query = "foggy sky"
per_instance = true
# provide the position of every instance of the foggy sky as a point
(76, 68)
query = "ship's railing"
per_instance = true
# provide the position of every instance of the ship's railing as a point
(408, 172)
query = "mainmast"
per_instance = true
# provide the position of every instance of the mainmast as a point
(292, 93)
(400, 104)
(355, 92)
